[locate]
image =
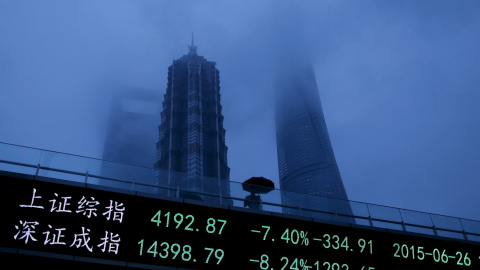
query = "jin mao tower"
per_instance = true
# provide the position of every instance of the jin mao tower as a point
(191, 133)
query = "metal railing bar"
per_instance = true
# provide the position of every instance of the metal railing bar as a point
(434, 228)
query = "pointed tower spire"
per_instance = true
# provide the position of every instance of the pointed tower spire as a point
(192, 48)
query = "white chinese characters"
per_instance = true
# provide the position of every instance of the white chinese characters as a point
(86, 206)
(54, 239)
(26, 231)
(115, 212)
(79, 237)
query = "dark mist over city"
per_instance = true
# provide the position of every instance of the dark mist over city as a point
(398, 81)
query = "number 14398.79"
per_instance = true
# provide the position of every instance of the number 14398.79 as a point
(173, 251)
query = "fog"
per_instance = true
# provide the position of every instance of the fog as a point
(398, 80)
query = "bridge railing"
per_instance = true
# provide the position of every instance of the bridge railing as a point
(44, 163)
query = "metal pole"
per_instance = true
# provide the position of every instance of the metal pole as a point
(433, 226)
(463, 230)
(369, 216)
(403, 222)
(86, 177)
(38, 169)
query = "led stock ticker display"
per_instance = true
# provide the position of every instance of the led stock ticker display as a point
(77, 221)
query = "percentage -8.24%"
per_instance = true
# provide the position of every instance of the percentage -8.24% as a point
(299, 264)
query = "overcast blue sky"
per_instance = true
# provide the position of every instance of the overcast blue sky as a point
(399, 82)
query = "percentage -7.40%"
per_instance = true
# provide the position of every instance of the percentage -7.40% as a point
(290, 236)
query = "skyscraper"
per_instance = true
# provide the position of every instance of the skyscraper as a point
(130, 136)
(191, 134)
(306, 161)
(131, 131)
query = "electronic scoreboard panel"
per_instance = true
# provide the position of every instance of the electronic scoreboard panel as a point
(77, 221)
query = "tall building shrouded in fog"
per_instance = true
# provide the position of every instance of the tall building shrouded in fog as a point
(131, 135)
(191, 134)
(306, 161)
(132, 123)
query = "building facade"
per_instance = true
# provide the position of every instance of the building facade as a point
(131, 134)
(306, 161)
(132, 125)
(191, 149)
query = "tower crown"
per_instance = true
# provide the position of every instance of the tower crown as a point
(192, 49)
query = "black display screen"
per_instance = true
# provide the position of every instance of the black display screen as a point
(80, 221)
